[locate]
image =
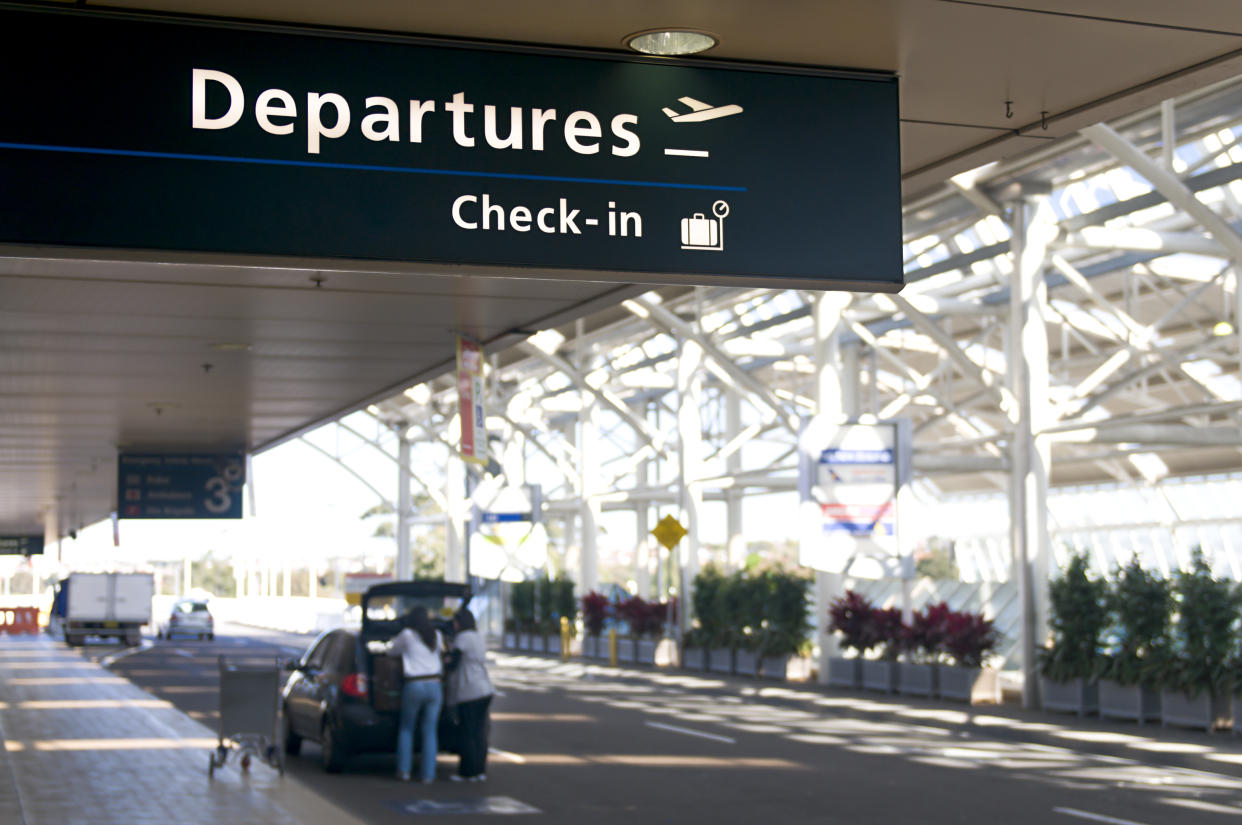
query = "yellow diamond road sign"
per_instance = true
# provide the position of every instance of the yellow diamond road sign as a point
(668, 532)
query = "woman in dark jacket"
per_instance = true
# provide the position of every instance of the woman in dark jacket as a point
(470, 694)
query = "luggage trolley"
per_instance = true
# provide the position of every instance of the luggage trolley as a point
(249, 713)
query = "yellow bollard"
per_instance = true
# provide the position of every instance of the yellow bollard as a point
(612, 646)
(564, 639)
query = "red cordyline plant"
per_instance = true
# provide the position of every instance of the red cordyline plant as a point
(928, 635)
(888, 631)
(970, 638)
(595, 609)
(850, 616)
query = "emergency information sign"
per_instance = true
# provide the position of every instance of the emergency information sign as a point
(181, 135)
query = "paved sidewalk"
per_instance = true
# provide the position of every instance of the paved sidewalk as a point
(80, 746)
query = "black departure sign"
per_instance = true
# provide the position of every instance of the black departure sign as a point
(162, 485)
(187, 137)
(21, 545)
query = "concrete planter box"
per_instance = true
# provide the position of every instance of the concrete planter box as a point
(592, 645)
(745, 662)
(645, 651)
(720, 660)
(510, 641)
(785, 668)
(694, 658)
(845, 673)
(1134, 702)
(626, 649)
(915, 679)
(1237, 713)
(1207, 710)
(552, 644)
(1075, 696)
(974, 685)
(523, 641)
(667, 654)
(879, 674)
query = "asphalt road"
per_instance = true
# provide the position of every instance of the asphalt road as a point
(602, 747)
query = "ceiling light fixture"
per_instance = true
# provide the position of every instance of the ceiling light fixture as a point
(670, 42)
(229, 346)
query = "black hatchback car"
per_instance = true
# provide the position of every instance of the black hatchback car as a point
(332, 695)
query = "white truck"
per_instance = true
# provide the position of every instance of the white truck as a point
(104, 605)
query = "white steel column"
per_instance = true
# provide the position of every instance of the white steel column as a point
(827, 309)
(1033, 229)
(405, 563)
(643, 544)
(455, 536)
(690, 466)
(736, 547)
(588, 501)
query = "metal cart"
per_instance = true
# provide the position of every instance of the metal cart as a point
(249, 713)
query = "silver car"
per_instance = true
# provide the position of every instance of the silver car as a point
(188, 617)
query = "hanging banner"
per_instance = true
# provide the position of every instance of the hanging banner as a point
(188, 136)
(850, 476)
(470, 401)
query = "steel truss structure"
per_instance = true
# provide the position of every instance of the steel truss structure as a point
(1071, 317)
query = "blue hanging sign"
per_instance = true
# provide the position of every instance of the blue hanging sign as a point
(166, 485)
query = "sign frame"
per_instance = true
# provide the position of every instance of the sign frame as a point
(755, 266)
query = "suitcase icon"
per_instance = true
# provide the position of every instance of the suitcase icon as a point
(702, 232)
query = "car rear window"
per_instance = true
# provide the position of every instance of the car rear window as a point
(192, 607)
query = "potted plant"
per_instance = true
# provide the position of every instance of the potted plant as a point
(1195, 676)
(1140, 606)
(850, 616)
(784, 626)
(651, 621)
(923, 647)
(968, 640)
(710, 634)
(522, 612)
(748, 599)
(633, 612)
(888, 632)
(595, 609)
(1077, 616)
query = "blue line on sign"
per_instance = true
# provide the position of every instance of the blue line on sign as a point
(135, 153)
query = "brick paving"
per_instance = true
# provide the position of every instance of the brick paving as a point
(80, 746)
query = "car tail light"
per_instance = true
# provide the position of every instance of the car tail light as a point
(355, 685)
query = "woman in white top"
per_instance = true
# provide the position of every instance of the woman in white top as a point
(470, 694)
(419, 644)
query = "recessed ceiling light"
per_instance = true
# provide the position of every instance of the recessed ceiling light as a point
(670, 42)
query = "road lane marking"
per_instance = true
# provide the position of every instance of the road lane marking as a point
(1112, 820)
(689, 732)
(512, 757)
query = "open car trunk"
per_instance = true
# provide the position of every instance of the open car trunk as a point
(384, 607)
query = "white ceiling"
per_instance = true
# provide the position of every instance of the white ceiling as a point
(105, 352)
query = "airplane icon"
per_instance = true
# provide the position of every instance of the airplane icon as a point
(701, 111)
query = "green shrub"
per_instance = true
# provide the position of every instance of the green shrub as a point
(1140, 607)
(522, 605)
(1077, 616)
(1204, 635)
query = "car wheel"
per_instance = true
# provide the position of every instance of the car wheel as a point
(331, 753)
(293, 742)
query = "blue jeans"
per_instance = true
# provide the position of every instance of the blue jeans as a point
(419, 696)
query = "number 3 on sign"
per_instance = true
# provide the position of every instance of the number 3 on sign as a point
(218, 500)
